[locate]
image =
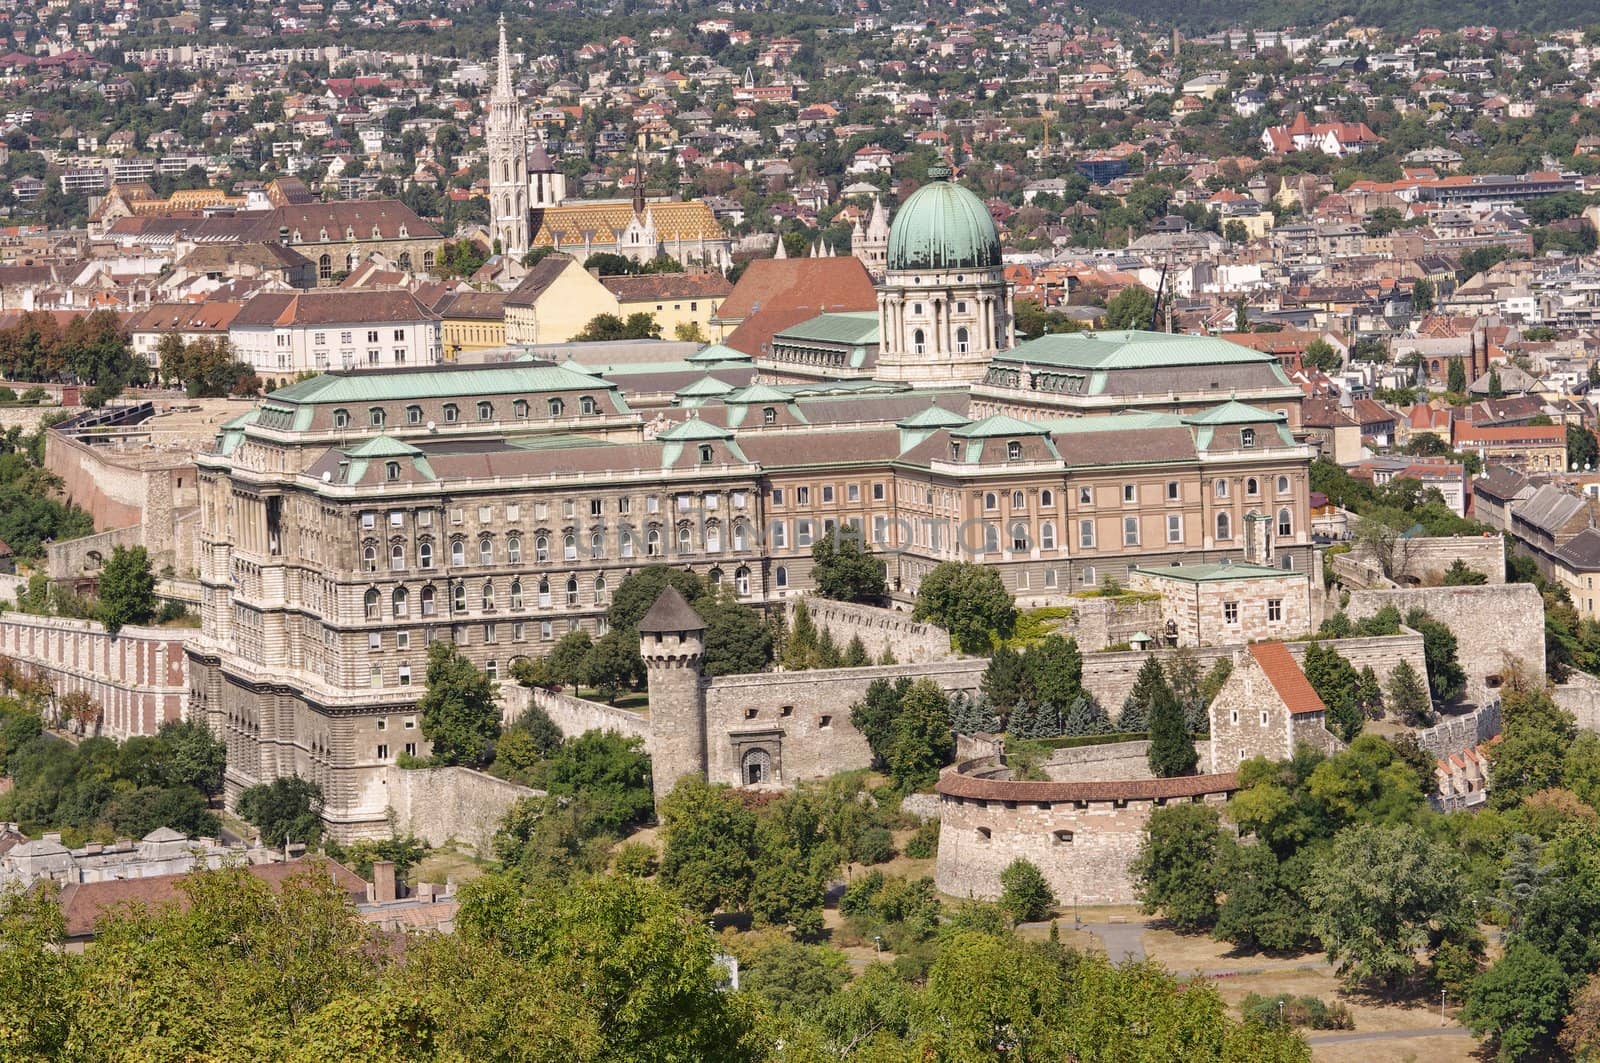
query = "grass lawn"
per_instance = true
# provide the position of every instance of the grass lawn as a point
(452, 861)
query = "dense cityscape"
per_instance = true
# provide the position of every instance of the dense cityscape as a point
(739, 531)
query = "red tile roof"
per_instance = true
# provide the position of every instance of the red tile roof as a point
(1286, 678)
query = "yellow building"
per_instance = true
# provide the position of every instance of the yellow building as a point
(471, 321)
(673, 299)
(554, 302)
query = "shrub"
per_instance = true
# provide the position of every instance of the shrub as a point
(875, 845)
(1025, 895)
(1286, 1010)
(636, 860)
(925, 842)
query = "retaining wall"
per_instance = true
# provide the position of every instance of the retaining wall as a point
(910, 641)
(1113, 760)
(440, 804)
(574, 715)
(1580, 695)
(1462, 732)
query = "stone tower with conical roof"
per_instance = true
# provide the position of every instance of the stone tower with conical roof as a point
(870, 244)
(506, 134)
(672, 644)
(549, 185)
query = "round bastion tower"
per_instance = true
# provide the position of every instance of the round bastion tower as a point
(672, 645)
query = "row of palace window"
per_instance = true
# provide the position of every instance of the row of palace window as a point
(353, 260)
(627, 543)
(378, 416)
(829, 494)
(460, 595)
(541, 510)
(1131, 530)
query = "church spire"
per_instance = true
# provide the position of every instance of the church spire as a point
(502, 85)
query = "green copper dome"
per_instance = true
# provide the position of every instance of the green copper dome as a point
(943, 226)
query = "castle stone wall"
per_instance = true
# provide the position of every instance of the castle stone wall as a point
(1580, 695)
(1082, 836)
(573, 715)
(139, 678)
(1425, 561)
(1494, 625)
(440, 804)
(1113, 760)
(910, 641)
(1463, 732)
(1100, 622)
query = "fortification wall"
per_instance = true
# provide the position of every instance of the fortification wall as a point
(139, 678)
(1425, 561)
(803, 718)
(573, 715)
(120, 489)
(86, 555)
(1100, 622)
(1113, 760)
(1082, 836)
(1462, 732)
(1110, 676)
(1580, 695)
(909, 641)
(1494, 625)
(440, 804)
(27, 418)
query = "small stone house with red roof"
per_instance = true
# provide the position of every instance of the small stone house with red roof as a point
(1265, 709)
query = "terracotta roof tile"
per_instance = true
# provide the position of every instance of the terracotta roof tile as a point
(1286, 677)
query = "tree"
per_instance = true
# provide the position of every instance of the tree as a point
(1456, 378)
(1131, 308)
(1382, 531)
(968, 600)
(286, 809)
(613, 664)
(922, 742)
(1147, 687)
(1408, 698)
(1422, 295)
(1446, 678)
(1459, 575)
(566, 660)
(127, 588)
(641, 325)
(1336, 682)
(737, 640)
(608, 771)
(1380, 895)
(688, 332)
(843, 570)
(1582, 451)
(1235, 232)
(459, 714)
(1025, 896)
(1171, 750)
(1518, 1003)
(1535, 737)
(1053, 672)
(36, 974)
(1496, 388)
(1319, 354)
(1580, 1033)
(1263, 906)
(1178, 869)
(1369, 694)
(710, 846)
(191, 756)
(1004, 681)
(875, 714)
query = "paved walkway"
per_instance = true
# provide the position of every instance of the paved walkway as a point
(1124, 942)
(1387, 1035)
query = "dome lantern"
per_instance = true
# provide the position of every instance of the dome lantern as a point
(943, 226)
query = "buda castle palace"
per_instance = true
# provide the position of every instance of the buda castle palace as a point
(351, 519)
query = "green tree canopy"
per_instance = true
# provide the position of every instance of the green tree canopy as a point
(459, 714)
(287, 809)
(969, 601)
(127, 588)
(843, 569)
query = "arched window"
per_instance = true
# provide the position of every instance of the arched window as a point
(544, 593)
(741, 580)
(458, 553)
(427, 598)
(599, 590)
(514, 550)
(485, 411)
(1224, 527)
(369, 559)
(714, 577)
(1283, 485)
(391, 470)
(341, 418)
(452, 413)
(488, 594)
(541, 548)
(963, 340)
(569, 547)
(425, 555)
(1047, 535)
(399, 601)
(597, 545)
(625, 541)
(572, 590)
(713, 539)
(405, 261)
(1285, 523)
(371, 603)
(376, 416)
(1247, 437)
(516, 594)
(1047, 498)
(397, 557)
(1019, 535)
(587, 406)
(485, 551)
(1252, 486)
(991, 500)
(1018, 500)
(325, 268)
(652, 543)
(919, 342)
(351, 261)
(685, 539)
(458, 597)
(519, 408)
(413, 414)
(991, 539)
(740, 530)
(1013, 451)
(427, 261)
(556, 407)
(780, 577)
(755, 768)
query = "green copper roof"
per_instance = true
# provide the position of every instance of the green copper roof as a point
(1113, 422)
(847, 328)
(381, 386)
(758, 393)
(382, 446)
(943, 226)
(706, 385)
(694, 429)
(933, 416)
(1213, 573)
(998, 424)
(1234, 412)
(717, 352)
(1130, 349)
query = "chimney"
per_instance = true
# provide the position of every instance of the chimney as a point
(383, 888)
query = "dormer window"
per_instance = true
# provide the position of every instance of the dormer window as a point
(1013, 451)
(1247, 437)
(520, 407)
(341, 418)
(413, 415)
(376, 235)
(587, 406)
(323, 234)
(452, 413)
(769, 415)
(705, 453)
(557, 407)
(392, 470)
(403, 233)
(955, 451)
(485, 411)
(375, 415)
